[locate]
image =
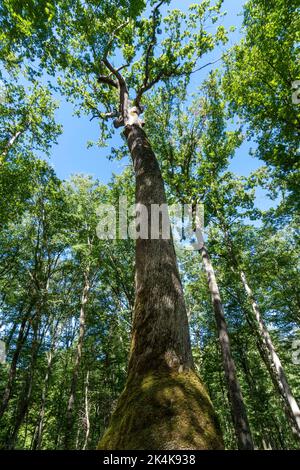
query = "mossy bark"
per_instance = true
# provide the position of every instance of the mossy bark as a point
(163, 411)
(164, 404)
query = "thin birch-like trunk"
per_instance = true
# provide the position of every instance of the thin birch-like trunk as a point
(238, 409)
(37, 441)
(22, 335)
(87, 411)
(266, 349)
(9, 144)
(76, 369)
(273, 362)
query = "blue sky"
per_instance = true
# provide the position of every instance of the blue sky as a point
(71, 155)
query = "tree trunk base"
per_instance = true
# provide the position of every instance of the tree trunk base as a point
(163, 411)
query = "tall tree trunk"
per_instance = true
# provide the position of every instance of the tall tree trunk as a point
(60, 408)
(238, 410)
(164, 404)
(75, 374)
(258, 396)
(273, 363)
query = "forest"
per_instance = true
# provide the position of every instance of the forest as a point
(116, 333)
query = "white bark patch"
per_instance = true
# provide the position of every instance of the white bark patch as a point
(134, 118)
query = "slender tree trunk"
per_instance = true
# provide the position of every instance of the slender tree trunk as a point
(60, 410)
(25, 432)
(266, 349)
(9, 144)
(11, 334)
(164, 404)
(37, 441)
(77, 438)
(238, 410)
(87, 411)
(25, 398)
(22, 335)
(273, 363)
(258, 396)
(75, 375)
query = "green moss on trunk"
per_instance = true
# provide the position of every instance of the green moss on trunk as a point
(165, 410)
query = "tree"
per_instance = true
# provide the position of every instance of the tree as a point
(27, 127)
(42, 358)
(32, 272)
(90, 46)
(266, 346)
(188, 148)
(260, 75)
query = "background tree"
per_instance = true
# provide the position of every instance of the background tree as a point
(259, 81)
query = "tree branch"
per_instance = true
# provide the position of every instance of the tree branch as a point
(152, 42)
(113, 34)
(109, 115)
(123, 108)
(161, 74)
(107, 81)
(206, 65)
(167, 74)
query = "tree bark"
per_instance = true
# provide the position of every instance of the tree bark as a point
(238, 410)
(164, 404)
(37, 441)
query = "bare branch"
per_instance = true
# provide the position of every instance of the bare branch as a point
(167, 74)
(147, 87)
(122, 67)
(161, 74)
(122, 88)
(115, 72)
(206, 65)
(99, 114)
(107, 81)
(110, 115)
